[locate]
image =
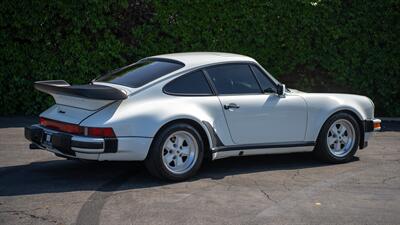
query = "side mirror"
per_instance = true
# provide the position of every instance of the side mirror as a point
(280, 90)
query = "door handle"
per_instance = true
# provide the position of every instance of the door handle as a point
(231, 106)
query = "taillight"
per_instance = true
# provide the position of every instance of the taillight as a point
(100, 132)
(61, 126)
(76, 129)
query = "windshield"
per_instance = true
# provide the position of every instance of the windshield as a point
(141, 73)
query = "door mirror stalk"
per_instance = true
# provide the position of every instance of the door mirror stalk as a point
(281, 89)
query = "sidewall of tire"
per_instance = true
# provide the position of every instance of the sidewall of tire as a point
(154, 161)
(322, 151)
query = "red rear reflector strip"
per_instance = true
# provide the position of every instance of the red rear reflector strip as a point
(76, 129)
(61, 126)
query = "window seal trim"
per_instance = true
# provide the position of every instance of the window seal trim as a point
(160, 59)
(210, 83)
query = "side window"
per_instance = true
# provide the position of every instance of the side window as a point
(265, 83)
(233, 79)
(189, 84)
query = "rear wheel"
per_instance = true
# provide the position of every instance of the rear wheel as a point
(339, 139)
(176, 153)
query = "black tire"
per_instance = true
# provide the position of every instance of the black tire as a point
(322, 150)
(154, 161)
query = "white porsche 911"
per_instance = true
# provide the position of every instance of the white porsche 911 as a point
(173, 111)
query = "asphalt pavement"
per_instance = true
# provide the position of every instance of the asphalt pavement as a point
(38, 188)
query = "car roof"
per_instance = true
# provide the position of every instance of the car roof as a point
(193, 59)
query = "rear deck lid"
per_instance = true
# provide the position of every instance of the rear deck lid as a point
(75, 103)
(66, 114)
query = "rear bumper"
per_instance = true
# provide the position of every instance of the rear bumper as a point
(74, 146)
(69, 144)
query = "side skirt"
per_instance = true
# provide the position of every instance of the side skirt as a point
(261, 149)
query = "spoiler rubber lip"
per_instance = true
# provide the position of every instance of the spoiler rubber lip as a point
(90, 91)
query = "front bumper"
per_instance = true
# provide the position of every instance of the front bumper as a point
(67, 144)
(372, 125)
(369, 127)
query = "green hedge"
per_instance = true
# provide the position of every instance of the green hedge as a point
(319, 45)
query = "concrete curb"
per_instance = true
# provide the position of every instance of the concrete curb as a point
(389, 119)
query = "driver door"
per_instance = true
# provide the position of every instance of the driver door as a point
(253, 116)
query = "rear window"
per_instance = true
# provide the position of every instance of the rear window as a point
(141, 73)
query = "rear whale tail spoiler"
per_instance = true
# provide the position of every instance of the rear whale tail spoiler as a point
(89, 91)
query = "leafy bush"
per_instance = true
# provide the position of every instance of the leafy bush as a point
(336, 46)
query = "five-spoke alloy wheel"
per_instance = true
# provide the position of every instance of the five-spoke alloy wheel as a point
(176, 153)
(180, 151)
(339, 139)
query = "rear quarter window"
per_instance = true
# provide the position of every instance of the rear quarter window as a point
(193, 83)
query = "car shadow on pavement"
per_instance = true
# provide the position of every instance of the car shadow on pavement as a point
(59, 176)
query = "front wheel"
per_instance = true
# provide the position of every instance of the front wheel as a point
(176, 153)
(339, 139)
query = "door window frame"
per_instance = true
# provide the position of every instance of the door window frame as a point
(214, 89)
